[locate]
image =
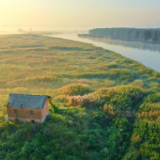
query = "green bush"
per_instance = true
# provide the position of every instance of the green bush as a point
(74, 89)
(61, 98)
(119, 122)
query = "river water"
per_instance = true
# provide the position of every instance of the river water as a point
(147, 54)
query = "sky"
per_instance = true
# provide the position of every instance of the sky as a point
(109, 13)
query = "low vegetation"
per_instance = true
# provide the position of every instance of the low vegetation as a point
(105, 106)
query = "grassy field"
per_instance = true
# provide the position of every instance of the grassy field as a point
(107, 105)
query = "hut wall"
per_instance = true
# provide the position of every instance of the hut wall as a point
(24, 113)
(45, 108)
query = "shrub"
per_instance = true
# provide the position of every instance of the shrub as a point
(61, 98)
(117, 142)
(139, 83)
(87, 101)
(153, 98)
(112, 65)
(74, 89)
(94, 55)
(145, 140)
(119, 100)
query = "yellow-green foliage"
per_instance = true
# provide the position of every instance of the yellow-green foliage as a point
(61, 98)
(35, 64)
(74, 89)
(107, 106)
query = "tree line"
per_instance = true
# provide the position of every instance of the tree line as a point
(131, 34)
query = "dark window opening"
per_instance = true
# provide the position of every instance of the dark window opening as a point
(32, 121)
(31, 111)
(15, 110)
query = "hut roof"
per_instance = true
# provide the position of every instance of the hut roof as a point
(27, 101)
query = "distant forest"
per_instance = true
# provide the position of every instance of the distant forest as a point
(127, 34)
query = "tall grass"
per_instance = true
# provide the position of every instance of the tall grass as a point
(108, 105)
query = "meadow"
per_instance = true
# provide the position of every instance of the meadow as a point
(107, 106)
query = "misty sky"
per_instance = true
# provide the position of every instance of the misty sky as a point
(117, 13)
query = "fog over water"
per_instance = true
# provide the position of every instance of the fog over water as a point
(147, 54)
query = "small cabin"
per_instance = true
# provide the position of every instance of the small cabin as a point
(28, 108)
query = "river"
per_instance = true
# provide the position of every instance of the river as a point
(147, 54)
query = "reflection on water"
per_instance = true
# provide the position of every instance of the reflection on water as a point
(132, 44)
(147, 54)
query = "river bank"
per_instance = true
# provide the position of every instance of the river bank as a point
(106, 103)
(147, 54)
